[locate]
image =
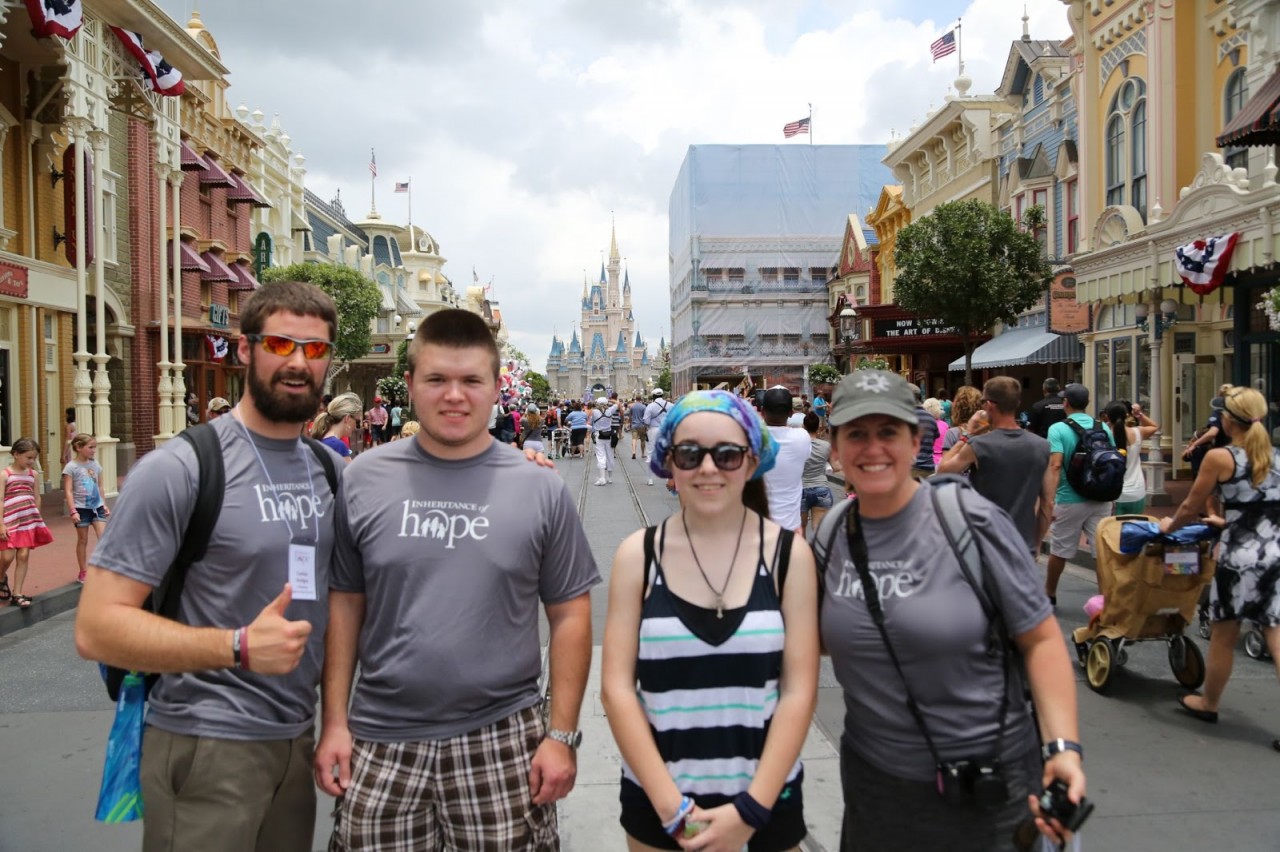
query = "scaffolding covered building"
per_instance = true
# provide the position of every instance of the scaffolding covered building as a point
(755, 234)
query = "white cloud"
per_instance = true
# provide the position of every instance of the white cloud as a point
(524, 124)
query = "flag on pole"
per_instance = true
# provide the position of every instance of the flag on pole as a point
(1203, 264)
(55, 17)
(402, 187)
(373, 163)
(475, 279)
(795, 128)
(943, 46)
(158, 75)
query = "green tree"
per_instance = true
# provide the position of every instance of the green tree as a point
(539, 385)
(357, 298)
(823, 374)
(970, 266)
(662, 378)
(402, 357)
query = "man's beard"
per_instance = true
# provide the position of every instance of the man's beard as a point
(283, 407)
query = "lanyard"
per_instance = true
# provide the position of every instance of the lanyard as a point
(306, 458)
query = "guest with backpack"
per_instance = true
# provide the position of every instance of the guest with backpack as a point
(1088, 473)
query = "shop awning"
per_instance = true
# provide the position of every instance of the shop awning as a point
(215, 175)
(406, 305)
(297, 223)
(245, 279)
(1257, 122)
(1021, 346)
(191, 161)
(218, 269)
(388, 300)
(243, 193)
(190, 258)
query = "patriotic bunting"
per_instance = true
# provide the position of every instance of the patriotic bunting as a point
(1203, 263)
(55, 17)
(157, 74)
(218, 347)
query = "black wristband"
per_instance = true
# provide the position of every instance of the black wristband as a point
(1057, 746)
(752, 812)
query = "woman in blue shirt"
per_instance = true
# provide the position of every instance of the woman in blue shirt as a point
(340, 419)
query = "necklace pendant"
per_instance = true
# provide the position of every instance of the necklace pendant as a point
(719, 607)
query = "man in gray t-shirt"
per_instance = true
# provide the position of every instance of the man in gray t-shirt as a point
(446, 545)
(227, 750)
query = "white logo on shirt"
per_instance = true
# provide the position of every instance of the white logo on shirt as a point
(443, 520)
(285, 503)
(893, 579)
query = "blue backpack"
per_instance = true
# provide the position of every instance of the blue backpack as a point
(1095, 470)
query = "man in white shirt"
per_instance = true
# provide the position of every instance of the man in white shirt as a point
(783, 483)
(654, 414)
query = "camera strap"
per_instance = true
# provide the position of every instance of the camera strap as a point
(858, 552)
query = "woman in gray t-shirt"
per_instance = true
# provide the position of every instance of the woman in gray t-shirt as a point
(815, 490)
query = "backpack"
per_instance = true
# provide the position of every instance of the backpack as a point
(1095, 470)
(616, 413)
(164, 600)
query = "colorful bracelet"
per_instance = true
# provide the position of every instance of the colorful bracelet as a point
(686, 807)
(235, 647)
(752, 812)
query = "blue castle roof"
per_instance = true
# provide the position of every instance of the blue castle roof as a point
(597, 346)
(622, 343)
(574, 345)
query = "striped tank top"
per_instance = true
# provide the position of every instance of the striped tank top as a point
(709, 699)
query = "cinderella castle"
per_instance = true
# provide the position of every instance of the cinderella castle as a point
(615, 357)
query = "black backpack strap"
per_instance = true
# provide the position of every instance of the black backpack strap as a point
(824, 538)
(326, 461)
(782, 559)
(204, 517)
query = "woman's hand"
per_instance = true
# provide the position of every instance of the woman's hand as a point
(1064, 766)
(722, 830)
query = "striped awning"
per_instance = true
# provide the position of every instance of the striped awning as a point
(191, 161)
(190, 258)
(215, 175)
(407, 306)
(218, 269)
(245, 279)
(1258, 122)
(244, 193)
(1020, 346)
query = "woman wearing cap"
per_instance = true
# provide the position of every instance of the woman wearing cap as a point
(1246, 476)
(934, 653)
(710, 665)
(334, 427)
(1211, 436)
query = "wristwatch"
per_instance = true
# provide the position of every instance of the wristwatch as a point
(1060, 745)
(572, 739)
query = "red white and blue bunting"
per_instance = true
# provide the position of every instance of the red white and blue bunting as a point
(1203, 264)
(157, 74)
(55, 17)
(218, 347)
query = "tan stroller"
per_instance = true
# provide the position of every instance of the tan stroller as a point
(1150, 595)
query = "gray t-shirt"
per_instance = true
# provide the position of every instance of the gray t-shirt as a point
(1010, 473)
(938, 631)
(637, 415)
(815, 467)
(244, 569)
(453, 557)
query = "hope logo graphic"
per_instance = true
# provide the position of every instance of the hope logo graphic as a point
(443, 521)
(283, 504)
(893, 579)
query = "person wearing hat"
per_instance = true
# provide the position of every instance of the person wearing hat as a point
(218, 407)
(784, 482)
(1211, 436)
(713, 609)
(602, 439)
(891, 758)
(377, 417)
(654, 415)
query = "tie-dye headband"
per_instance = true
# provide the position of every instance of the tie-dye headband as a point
(762, 444)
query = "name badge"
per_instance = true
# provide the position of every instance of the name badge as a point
(302, 571)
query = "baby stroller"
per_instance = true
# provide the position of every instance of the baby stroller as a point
(559, 442)
(1151, 584)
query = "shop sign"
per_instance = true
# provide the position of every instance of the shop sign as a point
(219, 316)
(13, 280)
(261, 253)
(380, 349)
(1066, 315)
(911, 327)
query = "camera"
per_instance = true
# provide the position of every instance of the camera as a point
(977, 782)
(1054, 804)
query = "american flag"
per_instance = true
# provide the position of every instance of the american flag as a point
(795, 128)
(943, 46)
(402, 187)
(373, 163)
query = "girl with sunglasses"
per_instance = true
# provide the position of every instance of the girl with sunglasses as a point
(710, 664)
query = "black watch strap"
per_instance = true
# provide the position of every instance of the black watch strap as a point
(1057, 746)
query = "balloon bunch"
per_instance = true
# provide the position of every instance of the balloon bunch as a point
(511, 382)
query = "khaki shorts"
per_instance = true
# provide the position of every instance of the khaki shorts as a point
(1071, 519)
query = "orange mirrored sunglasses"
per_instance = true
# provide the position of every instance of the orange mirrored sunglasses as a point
(283, 345)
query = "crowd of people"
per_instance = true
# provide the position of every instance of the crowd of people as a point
(384, 596)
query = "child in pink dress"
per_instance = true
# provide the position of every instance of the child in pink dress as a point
(22, 527)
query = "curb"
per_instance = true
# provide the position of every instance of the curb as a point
(47, 605)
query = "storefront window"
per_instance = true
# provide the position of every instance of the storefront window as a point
(1102, 377)
(1143, 395)
(1123, 357)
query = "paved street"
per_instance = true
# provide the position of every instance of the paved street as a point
(1161, 780)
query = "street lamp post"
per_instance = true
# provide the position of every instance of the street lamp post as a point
(1164, 317)
(848, 331)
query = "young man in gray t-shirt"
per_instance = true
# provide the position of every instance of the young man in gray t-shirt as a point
(228, 746)
(446, 544)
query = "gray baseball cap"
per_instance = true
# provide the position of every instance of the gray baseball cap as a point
(864, 392)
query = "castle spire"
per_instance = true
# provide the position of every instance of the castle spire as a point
(613, 237)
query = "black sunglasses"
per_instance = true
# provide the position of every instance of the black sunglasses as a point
(724, 456)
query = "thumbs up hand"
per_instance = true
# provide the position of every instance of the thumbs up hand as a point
(275, 644)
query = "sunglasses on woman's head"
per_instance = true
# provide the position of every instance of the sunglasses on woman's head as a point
(724, 456)
(283, 345)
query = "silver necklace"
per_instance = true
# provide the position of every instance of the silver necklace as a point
(732, 562)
